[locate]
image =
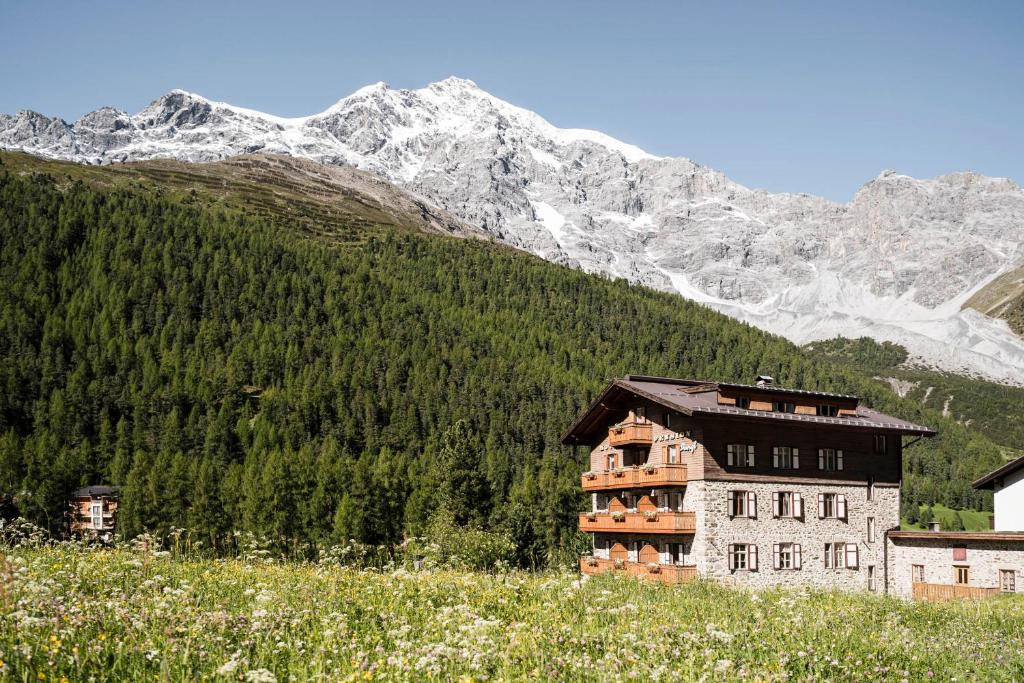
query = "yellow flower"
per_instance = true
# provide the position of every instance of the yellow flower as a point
(41, 676)
(367, 675)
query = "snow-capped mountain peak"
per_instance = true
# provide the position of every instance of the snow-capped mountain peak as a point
(896, 263)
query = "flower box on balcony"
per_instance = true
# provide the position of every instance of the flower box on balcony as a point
(618, 516)
(620, 564)
(592, 562)
(648, 468)
(590, 475)
(651, 515)
(653, 567)
(591, 516)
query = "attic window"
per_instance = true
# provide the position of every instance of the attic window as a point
(783, 407)
(828, 410)
(743, 402)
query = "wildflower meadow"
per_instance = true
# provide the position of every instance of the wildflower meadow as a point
(74, 613)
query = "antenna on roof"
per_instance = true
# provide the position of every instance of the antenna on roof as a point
(765, 380)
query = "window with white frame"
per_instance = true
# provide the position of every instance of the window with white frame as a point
(611, 461)
(742, 556)
(830, 459)
(871, 529)
(917, 573)
(786, 556)
(871, 577)
(841, 555)
(785, 458)
(601, 502)
(96, 514)
(739, 455)
(831, 506)
(672, 454)
(742, 504)
(787, 504)
(1007, 581)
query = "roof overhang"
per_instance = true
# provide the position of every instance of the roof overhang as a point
(988, 481)
(594, 418)
(604, 405)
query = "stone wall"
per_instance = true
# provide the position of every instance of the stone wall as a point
(716, 531)
(984, 558)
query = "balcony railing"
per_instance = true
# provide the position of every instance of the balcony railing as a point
(669, 573)
(938, 592)
(639, 522)
(628, 477)
(630, 434)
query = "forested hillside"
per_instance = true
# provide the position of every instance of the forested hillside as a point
(234, 373)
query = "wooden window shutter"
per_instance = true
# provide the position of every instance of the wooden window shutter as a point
(730, 455)
(796, 458)
(839, 460)
(821, 506)
(732, 503)
(776, 560)
(841, 506)
(751, 505)
(752, 557)
(821, 458)
(750, 456)
(797, 560)
(775, 504)
(798, 505)
(732, 557)
(828, 556)
(851, 556)
(775, 457)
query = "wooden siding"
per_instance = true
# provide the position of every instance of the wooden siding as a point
(860, 463)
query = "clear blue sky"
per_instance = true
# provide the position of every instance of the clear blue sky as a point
(816, 97)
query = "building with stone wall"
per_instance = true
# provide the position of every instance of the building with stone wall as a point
(937, 565)
(751, 485)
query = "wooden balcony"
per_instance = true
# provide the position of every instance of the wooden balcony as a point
(630, 477)
(639, 522)
(939, 592)
(630, 434)
(667, 573)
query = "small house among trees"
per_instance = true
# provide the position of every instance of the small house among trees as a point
(93, 511)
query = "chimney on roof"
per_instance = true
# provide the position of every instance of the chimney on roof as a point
(934, 526)
(765, 380)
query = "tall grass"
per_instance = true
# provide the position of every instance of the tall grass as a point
(75, 614)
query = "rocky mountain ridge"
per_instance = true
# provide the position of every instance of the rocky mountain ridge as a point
(897, 263)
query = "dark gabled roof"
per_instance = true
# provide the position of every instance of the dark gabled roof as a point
(989, 479)
(91, 491)
(697, 397)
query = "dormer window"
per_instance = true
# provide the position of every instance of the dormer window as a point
(743, 402)
(783, 407)
(828, 410)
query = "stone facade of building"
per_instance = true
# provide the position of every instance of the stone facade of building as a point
(935, 561)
